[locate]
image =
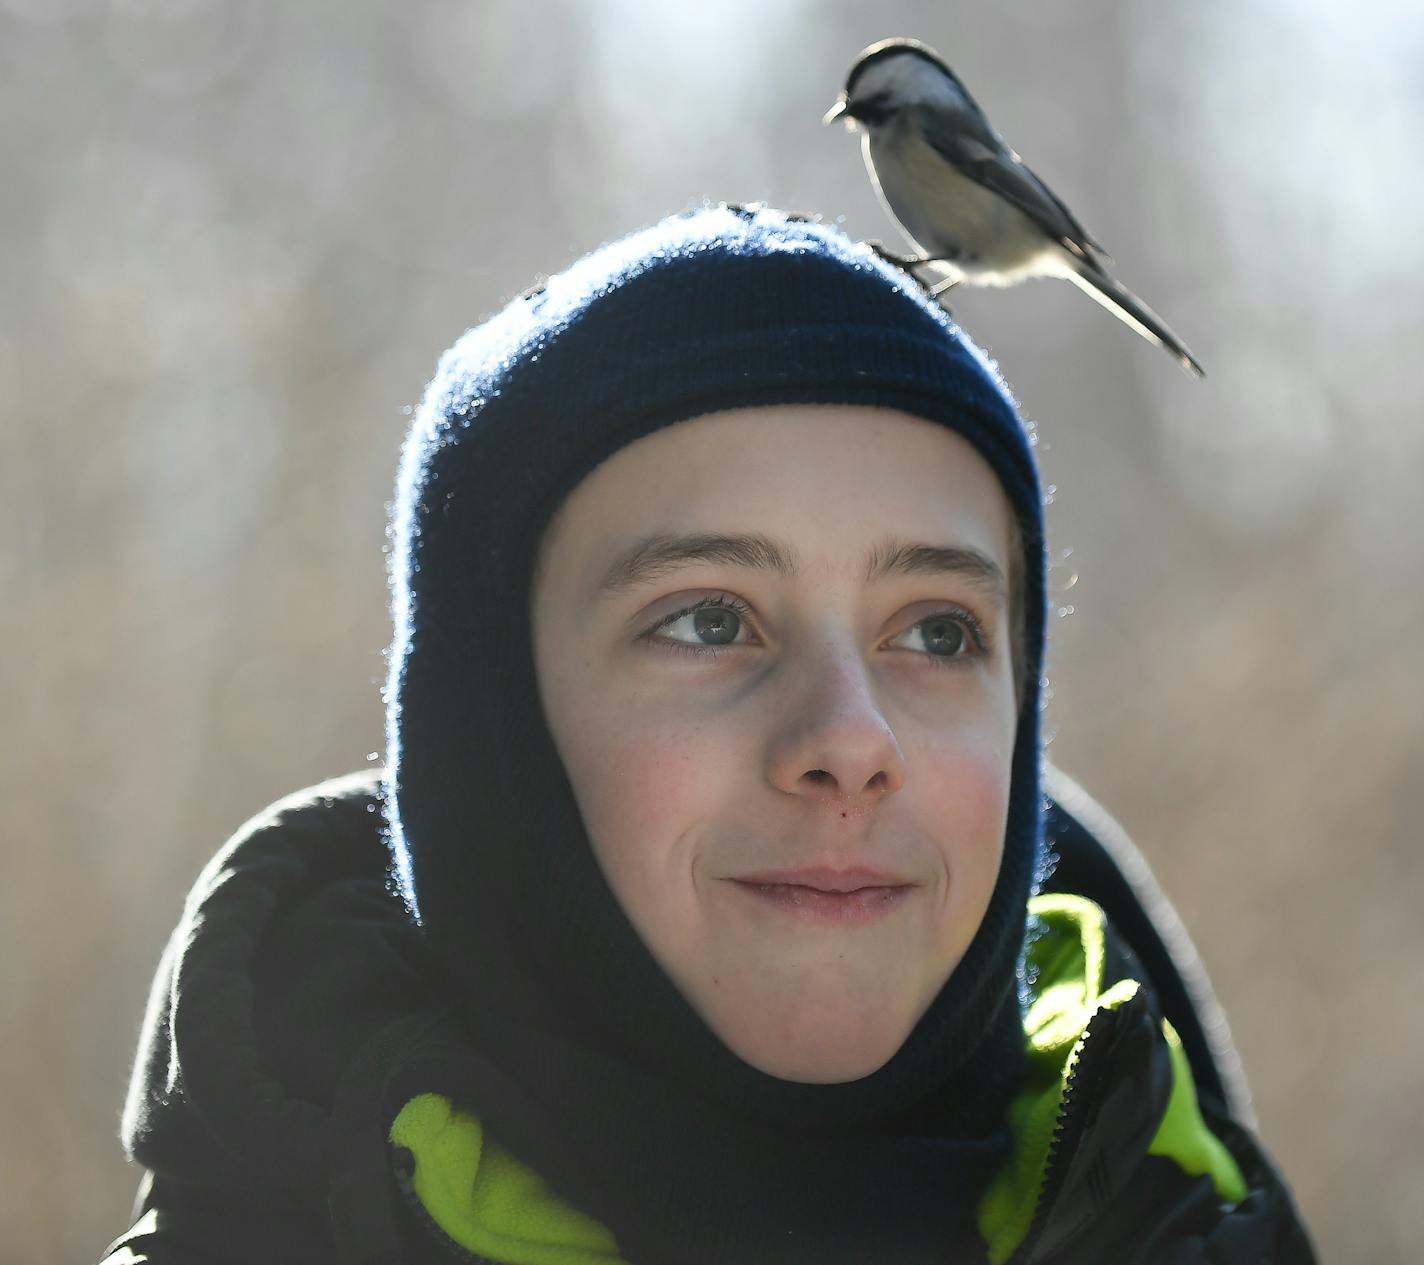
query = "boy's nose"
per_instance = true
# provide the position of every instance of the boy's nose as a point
(834, 743)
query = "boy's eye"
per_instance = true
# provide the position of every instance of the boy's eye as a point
(714, 621)
(949, 635)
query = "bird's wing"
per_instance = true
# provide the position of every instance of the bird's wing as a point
(974, 150)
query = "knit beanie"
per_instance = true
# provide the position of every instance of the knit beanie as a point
(721, 308)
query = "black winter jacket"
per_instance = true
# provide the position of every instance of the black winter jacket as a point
(295, 1011)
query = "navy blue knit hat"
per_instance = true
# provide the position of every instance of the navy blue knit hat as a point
(717, 309)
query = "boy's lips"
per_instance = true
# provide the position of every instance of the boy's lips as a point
(823, 894)
(825, 878)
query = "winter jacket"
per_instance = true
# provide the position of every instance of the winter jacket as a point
(295, 1096)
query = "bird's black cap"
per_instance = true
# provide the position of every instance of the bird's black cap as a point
(883, 49)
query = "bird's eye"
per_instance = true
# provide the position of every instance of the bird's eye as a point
(875, 110)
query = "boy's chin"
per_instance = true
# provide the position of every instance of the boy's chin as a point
(818, 1052)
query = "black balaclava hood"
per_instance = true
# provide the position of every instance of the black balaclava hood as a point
(585, 1060)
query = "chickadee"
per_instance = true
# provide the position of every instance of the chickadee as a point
(963, 198)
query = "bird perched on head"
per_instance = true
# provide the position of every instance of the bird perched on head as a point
(964, 199)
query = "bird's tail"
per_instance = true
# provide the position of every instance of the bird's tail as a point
(1131, 310)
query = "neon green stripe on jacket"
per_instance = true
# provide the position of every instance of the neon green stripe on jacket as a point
(485, 1199)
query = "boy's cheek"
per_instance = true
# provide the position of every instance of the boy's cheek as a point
(965, 805)
(966, 776)
(645, 787)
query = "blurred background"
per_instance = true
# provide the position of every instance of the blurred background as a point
(234, 236)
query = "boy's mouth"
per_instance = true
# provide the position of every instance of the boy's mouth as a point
(826, 878)
(823, 894)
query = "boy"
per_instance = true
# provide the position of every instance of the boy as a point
(713, 797)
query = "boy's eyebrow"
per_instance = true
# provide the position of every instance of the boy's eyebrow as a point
(654, 556)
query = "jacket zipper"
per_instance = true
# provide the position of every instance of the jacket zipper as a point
(404, 1173)
(1079, 1094)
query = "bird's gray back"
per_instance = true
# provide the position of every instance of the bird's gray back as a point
(972, 147)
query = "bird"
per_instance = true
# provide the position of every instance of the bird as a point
(962, 197)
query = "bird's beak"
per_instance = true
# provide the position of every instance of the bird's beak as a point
(835, 112)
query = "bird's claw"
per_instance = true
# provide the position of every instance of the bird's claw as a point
(908, 263)
(905, 262)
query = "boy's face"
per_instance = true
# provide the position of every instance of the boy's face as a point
(773, 649)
